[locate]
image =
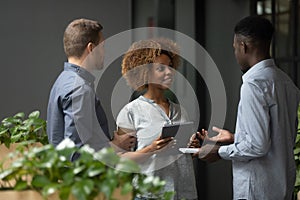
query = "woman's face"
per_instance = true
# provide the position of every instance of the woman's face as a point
(161, 73)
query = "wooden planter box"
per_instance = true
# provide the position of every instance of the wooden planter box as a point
(4, 151)
(33, 195)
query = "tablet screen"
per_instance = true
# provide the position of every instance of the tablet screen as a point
(171, 130)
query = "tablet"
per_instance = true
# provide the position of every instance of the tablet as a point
(189, 150)
(171, 130)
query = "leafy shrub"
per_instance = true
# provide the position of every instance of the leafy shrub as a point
(18, 129)
(297, 156)
(47, 169)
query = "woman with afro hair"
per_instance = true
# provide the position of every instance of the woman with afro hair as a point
(149, 66)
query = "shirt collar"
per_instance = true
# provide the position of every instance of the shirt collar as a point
(146, 99)
(80, 71)
(141, 97)
(171, 113)
(257, 67)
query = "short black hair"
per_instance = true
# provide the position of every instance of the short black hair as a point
(255, 27)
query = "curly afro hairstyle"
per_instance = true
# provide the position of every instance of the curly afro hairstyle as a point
(137, 60)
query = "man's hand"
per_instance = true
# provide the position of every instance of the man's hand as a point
(224, 136)
(209, 153)
(195, 140)
(124, 141)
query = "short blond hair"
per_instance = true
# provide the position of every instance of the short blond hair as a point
(141, 54)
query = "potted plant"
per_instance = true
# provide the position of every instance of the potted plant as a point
(93, 175)
(32, 171)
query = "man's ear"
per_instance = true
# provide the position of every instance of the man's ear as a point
(244, 47)
(90, 47)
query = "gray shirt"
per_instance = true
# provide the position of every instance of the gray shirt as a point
(262, 154)
(147, 119)
(74, 111)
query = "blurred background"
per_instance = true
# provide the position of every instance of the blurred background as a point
(32, 53)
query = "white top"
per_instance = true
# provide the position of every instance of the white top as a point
(147, 119)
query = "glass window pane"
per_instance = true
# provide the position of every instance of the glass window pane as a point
(285, 38)
(298, 29)
(283, 29)
(264, 7)
(284, 66)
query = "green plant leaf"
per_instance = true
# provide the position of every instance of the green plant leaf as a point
(88, 186)
(21, 185)
(4, 131)
(107, 156)
(10, 121)
(18, 163)
(64, 192)
(127, 188)
(16, 138)
(68, 177)
(106, 189)
(82, 189)
(127, 165)
(79, 169)
(20, 115)
(95, 171)
(34, 114)
(40, 181)
(297, 150)
(49, 189)
(5, 137)
(298, 137)
(4, 174)
(168, 195)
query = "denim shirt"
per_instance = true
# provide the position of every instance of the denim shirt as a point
(74, 111)
(262, 154)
